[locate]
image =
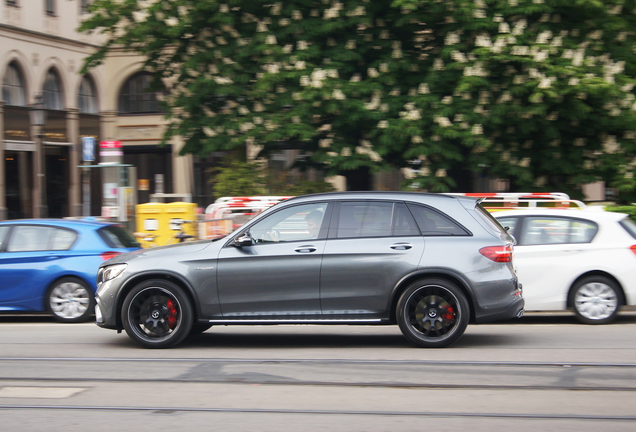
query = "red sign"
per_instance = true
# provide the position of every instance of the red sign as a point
(110, 144)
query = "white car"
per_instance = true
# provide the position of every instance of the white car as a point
(583, 260)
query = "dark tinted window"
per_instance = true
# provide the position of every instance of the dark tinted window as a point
(28, 238)
(539, 230)
(117, 237)
(433, 223)
(365, 219)
(403, 223)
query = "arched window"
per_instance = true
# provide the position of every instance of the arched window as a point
(87, 97)
(134, 97)
(13, 91)
(52, 91)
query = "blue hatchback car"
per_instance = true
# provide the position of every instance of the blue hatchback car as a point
(50, 265)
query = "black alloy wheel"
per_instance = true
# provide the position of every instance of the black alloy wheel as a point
(157, 314)
(432, 313)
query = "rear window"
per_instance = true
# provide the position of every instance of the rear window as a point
(433, 223)
(629, 226)
(489, 220)
(117, 237)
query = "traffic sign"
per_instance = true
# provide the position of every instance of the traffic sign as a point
(88, 149)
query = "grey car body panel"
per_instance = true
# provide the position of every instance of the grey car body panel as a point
(270, 279)
(341, 279)
(358, 274)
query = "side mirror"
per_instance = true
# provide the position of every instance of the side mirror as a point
(243, 240)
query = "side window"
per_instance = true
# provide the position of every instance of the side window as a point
(433, 223)
(365, 219)
(509, 223)
(302, 222)
(403, 223)
(26, 238)
(550, 230)
(62, 239)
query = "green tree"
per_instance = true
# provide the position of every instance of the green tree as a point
(238, 178)
(538, 91)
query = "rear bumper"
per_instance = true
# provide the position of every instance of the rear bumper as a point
(513, 310)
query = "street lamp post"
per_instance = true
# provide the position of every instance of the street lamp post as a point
(38, 120)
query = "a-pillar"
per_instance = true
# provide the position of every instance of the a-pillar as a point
(72, 128)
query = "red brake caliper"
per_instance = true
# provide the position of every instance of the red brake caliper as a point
(172, 314)
(448, 314)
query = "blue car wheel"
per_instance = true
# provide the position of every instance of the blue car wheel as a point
(70, 300)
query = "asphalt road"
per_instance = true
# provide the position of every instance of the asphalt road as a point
(541, 372)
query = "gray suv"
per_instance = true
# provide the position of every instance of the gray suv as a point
(430, 263)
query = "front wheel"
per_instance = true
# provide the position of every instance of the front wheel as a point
(595, 299)
(432, 313)
(70, 300)
(157, 314)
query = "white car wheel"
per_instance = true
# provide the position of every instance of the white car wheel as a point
(596, 300)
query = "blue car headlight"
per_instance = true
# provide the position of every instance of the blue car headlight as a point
(111, 272)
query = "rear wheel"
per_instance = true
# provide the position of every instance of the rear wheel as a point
(70, 300)
(595, 299)
(157, 314)
(432, 313)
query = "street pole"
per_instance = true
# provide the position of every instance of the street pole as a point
(38, 120)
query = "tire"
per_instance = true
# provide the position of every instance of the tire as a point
(157, 314)
(432, 313)
(70, 300)
(596, 300)
(197, 329)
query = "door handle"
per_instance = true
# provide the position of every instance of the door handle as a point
(305, 249)
(401, 246)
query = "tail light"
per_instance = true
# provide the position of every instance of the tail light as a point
(633, 248)
(500, 254)
(110, 254)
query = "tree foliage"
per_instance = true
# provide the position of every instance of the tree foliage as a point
(538, 91)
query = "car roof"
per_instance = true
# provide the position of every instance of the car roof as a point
(594, 215)
(67, 223)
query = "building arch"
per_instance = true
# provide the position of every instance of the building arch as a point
(66, 89)
(87, 97)
(135, 98)
(14, 90)
(117, 81)
(53, 91)
(18, 58)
